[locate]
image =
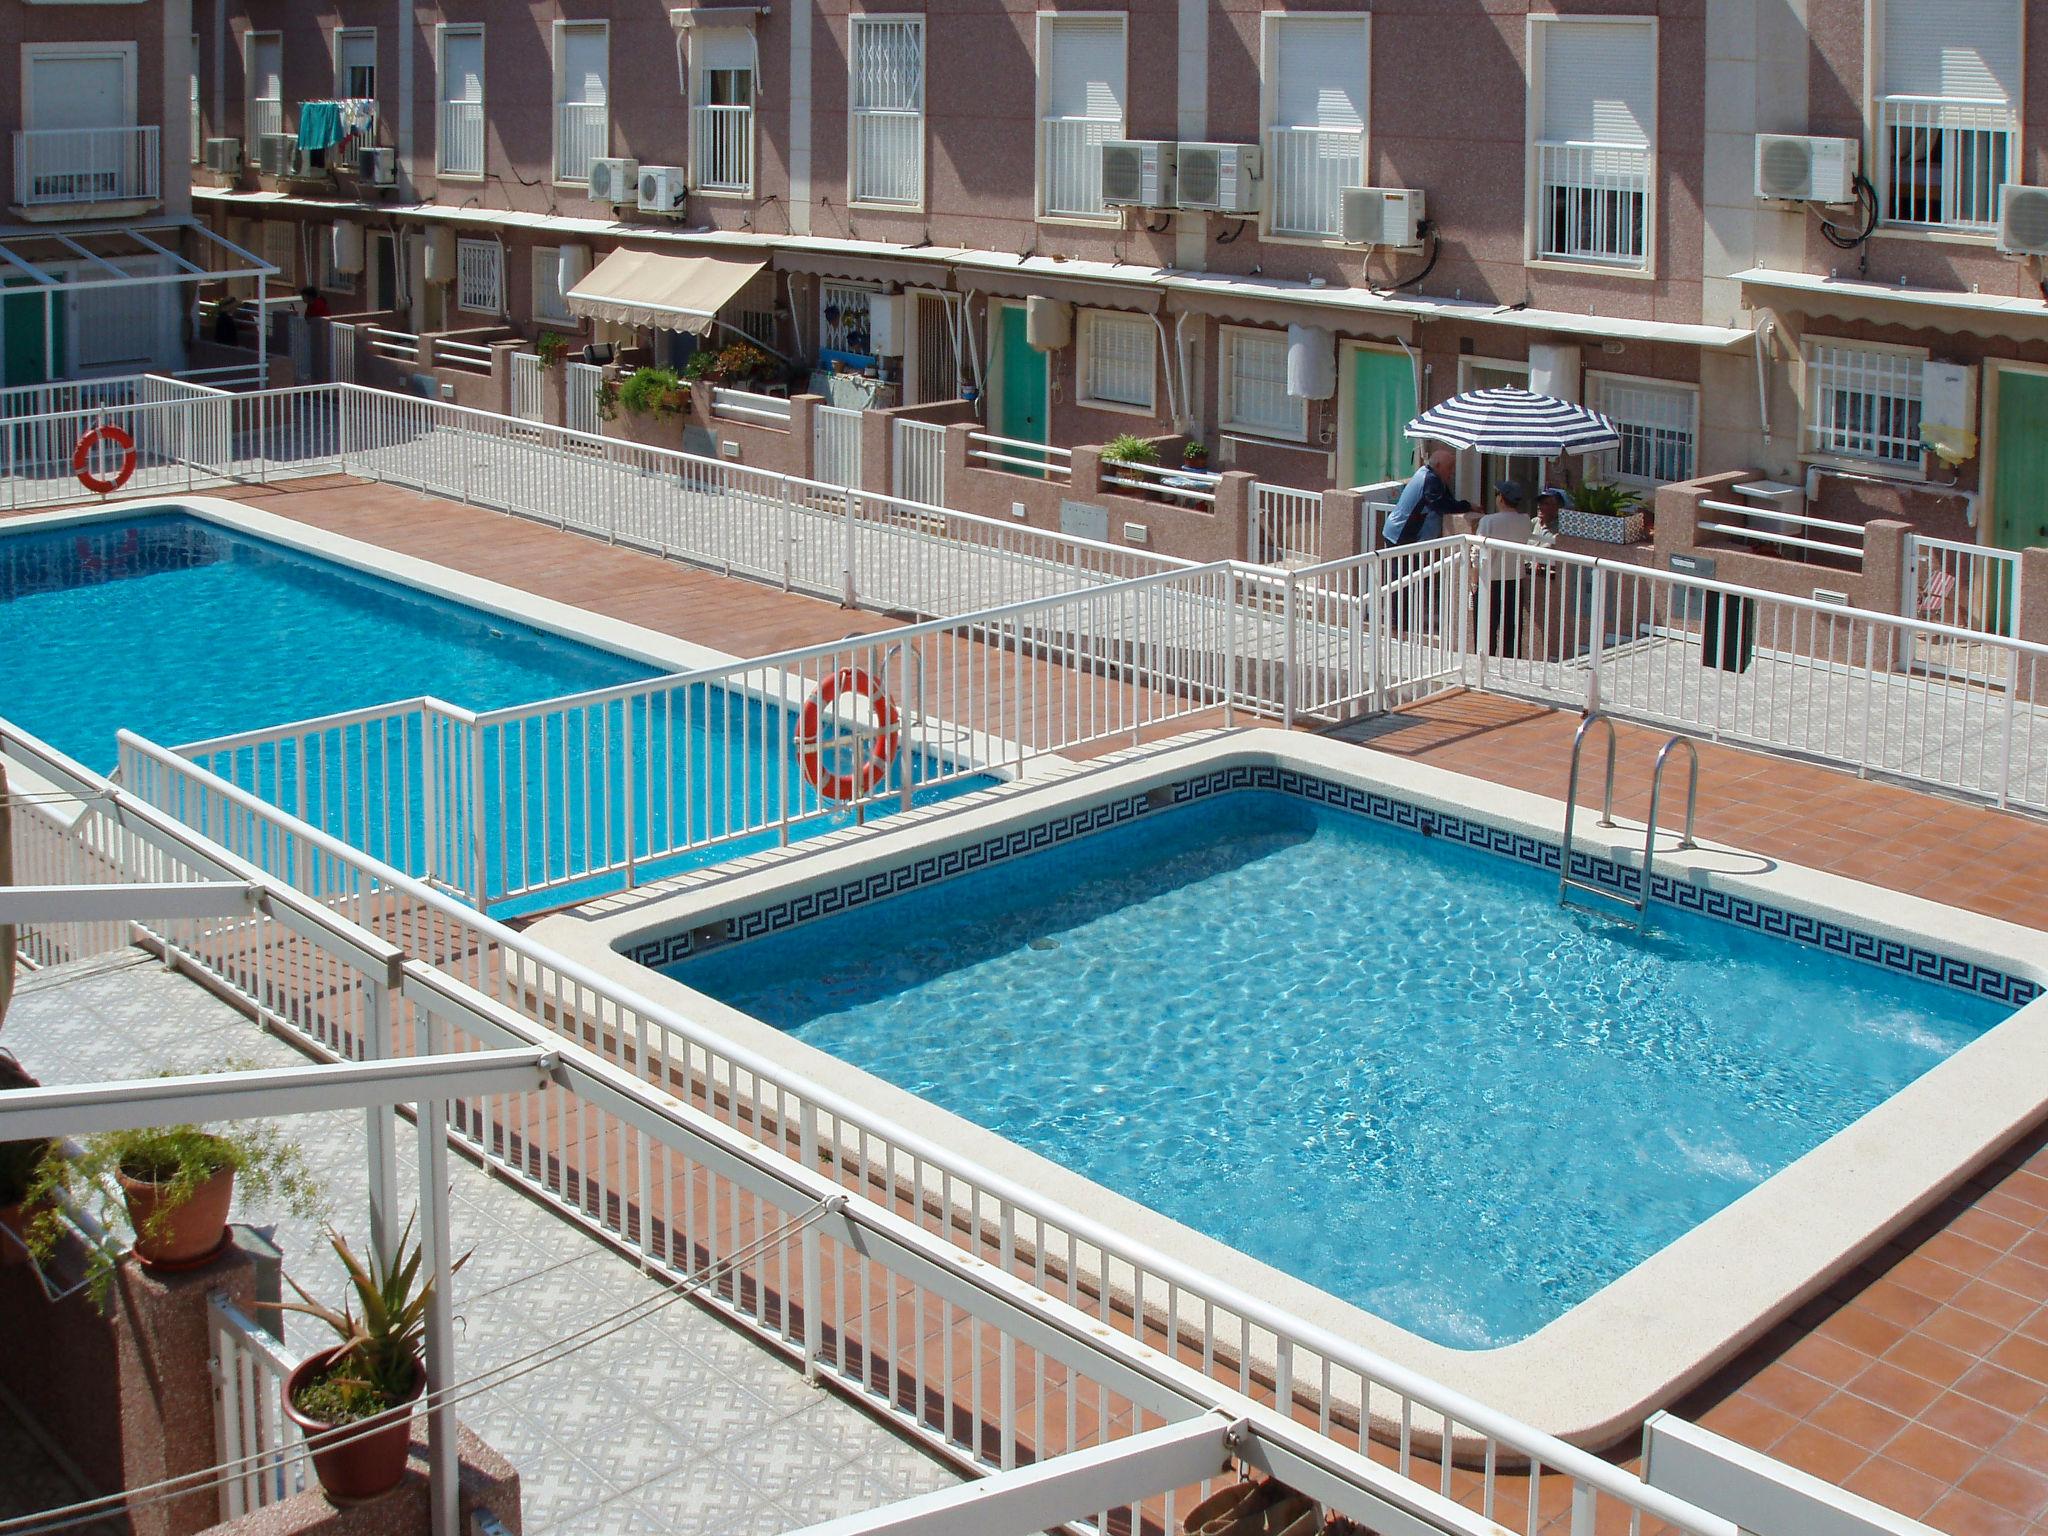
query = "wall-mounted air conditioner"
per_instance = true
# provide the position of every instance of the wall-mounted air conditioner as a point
(1390, 216)
(2023, 220)
(1793, 167)
(1137, 173)
(224, 155)
(275, 152)
(614, 181)
(377, 167)
(663, 188)
(1219, 178)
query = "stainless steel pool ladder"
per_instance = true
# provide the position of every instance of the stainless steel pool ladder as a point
(1641, 900)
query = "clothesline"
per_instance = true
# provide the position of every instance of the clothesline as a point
(324, 124)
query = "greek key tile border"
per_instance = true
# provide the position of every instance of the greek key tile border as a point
(1987, 982)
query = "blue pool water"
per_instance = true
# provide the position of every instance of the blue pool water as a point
(1388, 1065)
(182, 630)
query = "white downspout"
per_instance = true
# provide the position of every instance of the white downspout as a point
(1166, 359)
(1763, 389)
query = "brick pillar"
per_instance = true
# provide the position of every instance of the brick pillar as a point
(803, 433)
(1087, 476)
(1884, 564)
(959, 444)
(1678, 510)
(1233, 508)
(1343, 518)
(877, 451)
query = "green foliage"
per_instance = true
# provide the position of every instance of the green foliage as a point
(651, 392)
(381, 1326)
(551, 348)
(1194, 451)
(177, 1159)
(18, 1159)
(1129, 448)
(608, 399)
(1606, 499)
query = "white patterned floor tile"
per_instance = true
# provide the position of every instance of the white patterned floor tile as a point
(782, 1458)
(697, 1498)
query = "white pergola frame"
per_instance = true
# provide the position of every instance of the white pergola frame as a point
(239, 263)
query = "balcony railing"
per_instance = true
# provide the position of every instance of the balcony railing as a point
(722, 148)
(86, 165)
(1307, 170)
(1944, 159)
(462, 138)
(888, 158)
(266, 115)
(582, 134)
(1070, 165)
(1593, 203)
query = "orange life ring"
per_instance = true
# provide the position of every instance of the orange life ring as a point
(82, 455)
(871, 766)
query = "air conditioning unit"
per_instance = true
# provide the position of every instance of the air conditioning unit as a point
(275, 152)
(224, 155)
(377, 167)
(1137, 173)
(1791, 167)
(614, 181)
(2023, 220)
(662, 188)
(1219, 178)
(1390, 216)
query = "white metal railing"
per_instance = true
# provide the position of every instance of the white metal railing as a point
(250, 1430)
(266, 117)
(86, 165)
(1044, 461)
(1943, 160)
(722, 148)
(1193, 487)
(68, 395)
(888, 157)
(1965, 586)
(835, 440)
(580, 384)
(459, 150)
(468, 356)
(1070, 165)
(745, 405)
(1593, 202)
(1306, 172)
(1770, 526)
(582, 134)
(918, 461)
(399, 346)
(1286, 525)
(528, 378)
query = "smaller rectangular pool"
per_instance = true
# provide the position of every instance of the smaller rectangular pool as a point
(1385, 1063)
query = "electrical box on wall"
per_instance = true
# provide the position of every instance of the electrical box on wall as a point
(1948, 395)
(885, 324)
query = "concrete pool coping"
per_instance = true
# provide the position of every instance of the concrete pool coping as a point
(1593, 1373)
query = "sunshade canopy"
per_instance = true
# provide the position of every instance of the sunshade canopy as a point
(1515, 421)
(667, 293)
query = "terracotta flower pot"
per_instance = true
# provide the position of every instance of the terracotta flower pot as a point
(189, 1234)
(371, 1458)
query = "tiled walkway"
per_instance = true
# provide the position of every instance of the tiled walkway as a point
(676, 1424)
(1921, 1380)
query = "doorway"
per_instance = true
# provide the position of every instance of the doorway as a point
(383, 292)
(1022, 401)
(1376, 402)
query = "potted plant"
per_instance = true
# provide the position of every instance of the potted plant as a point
(1129, 448)
(1194, 455)
(1603, 511)
(551, 348)
(175, 1185)
(353, 1401)
(18, 1163)
(651, 392)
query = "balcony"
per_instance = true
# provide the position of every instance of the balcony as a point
(462, 138)
(1070, 167)
(723, 142)
(1307, 171)
(68, 173)
(1593, 203)
(582, 134)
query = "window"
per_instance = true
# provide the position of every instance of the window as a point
(1947, 111)
(1254, 386)
(722, 110)
(844, 323)
(582, 97)
(355, 64)
(548, 302)
(280, 249)
(887, 90)
(1117, 360)
(264, 58)
(1658, 423)
(480, 276)
(459, 146)
(1863, 401)
(1315, 86)
(1594, 99)
(751, 311)
(1080, 108)
(332, 278)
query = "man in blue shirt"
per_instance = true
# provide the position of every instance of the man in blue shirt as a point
(1427, 498)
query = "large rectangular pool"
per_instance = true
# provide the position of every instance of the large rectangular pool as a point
(1384, 1063)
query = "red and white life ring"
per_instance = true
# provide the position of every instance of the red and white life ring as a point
(871, 766)
(81, 458)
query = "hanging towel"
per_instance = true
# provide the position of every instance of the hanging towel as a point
(358, 116)
(320, 124)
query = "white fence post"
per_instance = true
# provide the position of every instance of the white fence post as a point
(1598, 639)
(848, 595)
(1287, 689)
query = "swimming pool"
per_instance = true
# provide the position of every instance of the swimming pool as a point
(184, 630)
(1382, 1062)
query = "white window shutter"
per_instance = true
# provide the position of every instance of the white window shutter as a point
(1952, 48)
(1322, 73)
(717, 48)
(1084, 67)
(1599, 81)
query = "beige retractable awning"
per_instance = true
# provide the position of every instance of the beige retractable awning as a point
(668, 293)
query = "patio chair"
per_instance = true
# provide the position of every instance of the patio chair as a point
(1939, 587)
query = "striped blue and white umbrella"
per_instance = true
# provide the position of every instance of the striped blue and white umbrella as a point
(1515, 421)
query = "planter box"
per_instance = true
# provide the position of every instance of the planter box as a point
(1601, 529)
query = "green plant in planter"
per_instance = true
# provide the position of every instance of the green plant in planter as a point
(651, 392)
(551, 348)
(1605, 499)
(608, 399)
(701, 364)
(1129, 448)
(1195, 454)
(146, 1179)
(381, 1329)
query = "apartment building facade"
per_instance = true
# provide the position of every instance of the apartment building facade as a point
(895, 191)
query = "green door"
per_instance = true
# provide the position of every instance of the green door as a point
(1021, 381)
(2019, 491)
(1382, 405)
(23, 322)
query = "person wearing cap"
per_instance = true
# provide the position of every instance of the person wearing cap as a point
(1507, 523)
